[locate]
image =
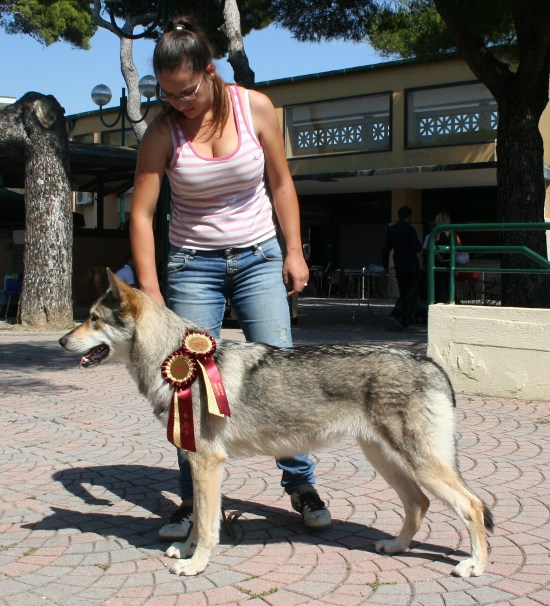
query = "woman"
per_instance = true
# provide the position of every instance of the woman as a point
(443, 259)
(214, 142)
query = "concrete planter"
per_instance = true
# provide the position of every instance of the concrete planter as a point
(494, 351)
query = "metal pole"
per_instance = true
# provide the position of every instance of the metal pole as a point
(123, 110)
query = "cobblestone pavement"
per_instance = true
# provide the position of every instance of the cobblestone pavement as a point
(86, 474)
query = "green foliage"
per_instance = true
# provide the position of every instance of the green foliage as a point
(402, 28)
(255, 14)
(71, 21)
(317, 20)
(49, 21)
(414, 28)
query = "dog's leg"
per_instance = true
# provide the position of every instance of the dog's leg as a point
(185, 550)
(445, 483)
(207, 478)
(414, 501)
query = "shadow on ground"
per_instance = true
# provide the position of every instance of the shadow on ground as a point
(256, 523)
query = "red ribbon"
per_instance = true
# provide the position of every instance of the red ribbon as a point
(181, 430)
(217, 385)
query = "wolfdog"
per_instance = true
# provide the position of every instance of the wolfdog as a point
(397, 405)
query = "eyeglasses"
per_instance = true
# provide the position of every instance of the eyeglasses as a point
(168, 97)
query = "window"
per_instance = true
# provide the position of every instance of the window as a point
(85, 138)
(358, 124)
(451, 115)
(114, 137)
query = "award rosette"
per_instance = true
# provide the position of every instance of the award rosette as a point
(202, 347)
(199, 344)
(180, 369)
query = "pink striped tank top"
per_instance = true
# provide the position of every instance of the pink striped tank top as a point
(220, 202)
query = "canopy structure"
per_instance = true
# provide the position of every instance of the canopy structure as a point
(103, 169)
(99, 168)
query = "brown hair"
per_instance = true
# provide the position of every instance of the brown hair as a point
(185, 44)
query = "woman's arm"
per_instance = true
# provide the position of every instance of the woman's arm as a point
(285, 200)
(155, 152)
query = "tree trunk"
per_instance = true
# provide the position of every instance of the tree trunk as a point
(520, 199)
(521, 93)
(127, 65)
(131, 77)
(34, 127)
(236, 54)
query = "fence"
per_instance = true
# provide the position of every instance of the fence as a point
(454, 249)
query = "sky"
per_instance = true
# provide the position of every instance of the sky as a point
(69, 74)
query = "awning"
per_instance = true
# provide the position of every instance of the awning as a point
(94, 168)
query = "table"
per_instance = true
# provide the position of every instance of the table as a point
(362, 277)
(317, 279)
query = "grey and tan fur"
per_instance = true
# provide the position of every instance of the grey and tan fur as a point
(399, 407)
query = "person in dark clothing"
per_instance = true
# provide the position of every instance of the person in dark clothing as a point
(403, 240)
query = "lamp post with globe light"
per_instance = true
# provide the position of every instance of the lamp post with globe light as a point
(101, 95)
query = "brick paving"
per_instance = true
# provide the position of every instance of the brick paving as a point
(86, 475)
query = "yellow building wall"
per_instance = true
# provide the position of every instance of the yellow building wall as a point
(392, 77)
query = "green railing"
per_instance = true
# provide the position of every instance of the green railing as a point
(452, 248)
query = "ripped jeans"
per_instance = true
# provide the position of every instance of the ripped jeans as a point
(200, 282)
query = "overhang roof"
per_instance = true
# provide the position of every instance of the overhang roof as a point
(93, 167)
(436, 176)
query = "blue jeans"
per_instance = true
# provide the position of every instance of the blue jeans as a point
(200, 282)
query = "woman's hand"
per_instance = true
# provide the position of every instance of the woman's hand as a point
(295, 273)
(156, 295)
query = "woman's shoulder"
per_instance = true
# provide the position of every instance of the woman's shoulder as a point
(255, 96)
(157, 139)
(159, 130)
(259, 100)
(263, 111)
(162, 124)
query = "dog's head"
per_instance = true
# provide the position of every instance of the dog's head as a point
(108, 332)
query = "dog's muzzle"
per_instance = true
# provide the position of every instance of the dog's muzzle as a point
(93, 356)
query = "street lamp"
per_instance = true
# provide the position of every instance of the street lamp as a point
(101, 95)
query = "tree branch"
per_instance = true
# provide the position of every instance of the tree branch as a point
(485, 65)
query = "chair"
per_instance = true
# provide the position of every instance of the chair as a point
(316, 279)
(467, 285)
(334, 279)
(12, 288)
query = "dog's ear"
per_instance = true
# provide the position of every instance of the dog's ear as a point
(118, 287)
(127, 296)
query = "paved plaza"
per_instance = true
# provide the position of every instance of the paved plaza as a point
(86, 474)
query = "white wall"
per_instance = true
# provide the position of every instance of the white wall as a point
(495, 351)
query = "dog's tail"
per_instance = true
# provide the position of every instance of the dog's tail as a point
(488, 519)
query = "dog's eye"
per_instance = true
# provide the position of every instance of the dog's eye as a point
(94, 317)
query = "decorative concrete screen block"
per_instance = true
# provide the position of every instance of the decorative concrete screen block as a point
(495, 351)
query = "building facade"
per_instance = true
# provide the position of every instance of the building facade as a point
(361, 143)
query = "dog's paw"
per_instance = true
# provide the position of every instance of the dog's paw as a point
(467, 568)
(389, 546)
(188, 568)
(180, 550)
